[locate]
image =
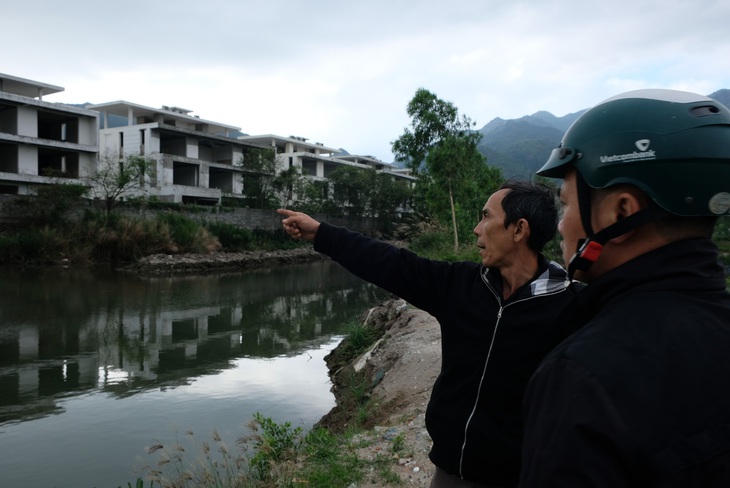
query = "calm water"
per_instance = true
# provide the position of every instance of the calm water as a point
(94, 366)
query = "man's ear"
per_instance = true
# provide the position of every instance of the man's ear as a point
(617, 206)
(522, 230)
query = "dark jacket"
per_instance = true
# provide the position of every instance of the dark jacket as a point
(640, 395)
(489, 348)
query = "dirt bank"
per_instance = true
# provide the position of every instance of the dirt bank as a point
(402, 366)
(178, 264)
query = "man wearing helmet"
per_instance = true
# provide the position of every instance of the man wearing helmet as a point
(639, 395)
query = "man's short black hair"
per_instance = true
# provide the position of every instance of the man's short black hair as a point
(534, 202)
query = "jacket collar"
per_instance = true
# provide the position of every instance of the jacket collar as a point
(687, 265)
(550, 278)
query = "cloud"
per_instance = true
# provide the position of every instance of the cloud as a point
(342, 73)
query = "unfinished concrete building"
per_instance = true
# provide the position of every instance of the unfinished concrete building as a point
(197, 161)
(316, 160)
(40, 142)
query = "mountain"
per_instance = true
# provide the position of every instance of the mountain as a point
(520, 146)
(722, 96)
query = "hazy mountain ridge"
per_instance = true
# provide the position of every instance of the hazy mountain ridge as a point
(520, 146)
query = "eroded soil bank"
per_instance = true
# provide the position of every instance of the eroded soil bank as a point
(399, 370)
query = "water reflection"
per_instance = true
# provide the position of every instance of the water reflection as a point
(74, 332)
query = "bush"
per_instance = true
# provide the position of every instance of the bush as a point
(49, 207)
(273, 239)
(35, 245)
(189, 235)
(121, 239)
(231, 237)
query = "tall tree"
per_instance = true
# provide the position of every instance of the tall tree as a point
(440, 147)
(391, 197)
(352, 190)
(366, 193)
(259, 166)
(288, 185)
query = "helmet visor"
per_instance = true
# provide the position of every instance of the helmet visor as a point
(558, 163)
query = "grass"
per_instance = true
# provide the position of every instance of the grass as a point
(273, 455)
(358, 338)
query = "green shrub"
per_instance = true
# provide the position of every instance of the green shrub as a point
(188, 235)
(273, 444)
(358, 337)
(124, 240)
(33, 245)
(273, 239)
(231, 237)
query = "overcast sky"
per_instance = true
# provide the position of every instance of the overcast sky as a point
(342, 72)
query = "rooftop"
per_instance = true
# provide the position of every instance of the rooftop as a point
(26, 88)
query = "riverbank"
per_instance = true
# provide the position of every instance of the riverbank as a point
(400, 369)
(192, 263)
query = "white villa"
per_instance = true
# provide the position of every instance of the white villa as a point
(316, 160)
(41, 142)
(198, 161)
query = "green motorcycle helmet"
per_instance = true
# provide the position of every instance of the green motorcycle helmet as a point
(673, 145)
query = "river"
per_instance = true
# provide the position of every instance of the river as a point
(96, 366)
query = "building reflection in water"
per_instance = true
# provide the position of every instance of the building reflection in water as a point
(66, 333)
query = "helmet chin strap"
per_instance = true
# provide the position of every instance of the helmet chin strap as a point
(590, 248)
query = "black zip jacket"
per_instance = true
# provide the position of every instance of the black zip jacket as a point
(639, 396)
(489, 348)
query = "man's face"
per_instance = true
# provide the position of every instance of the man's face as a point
(496, 244)
(570, 226)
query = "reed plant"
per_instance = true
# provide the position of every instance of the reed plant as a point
(272, 455)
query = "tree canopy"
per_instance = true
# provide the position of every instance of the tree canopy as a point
(440, 147)
(115, 178)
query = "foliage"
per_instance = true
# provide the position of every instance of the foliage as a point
(287, 184)
(315, 198)
(328, 464)
(31, 245)
(391, 198)
(232, 237)
(722, 229)
(268, 240)
(273, 444)
(441, 148)
(259, 166)
(352, 190)
(366, 194)
(116, 178)
(358, 337)
(432, 119)
(111, 239)
(281, 456)
(189, 235)
(50, 206)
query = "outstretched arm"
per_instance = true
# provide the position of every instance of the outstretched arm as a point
(299, 225)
